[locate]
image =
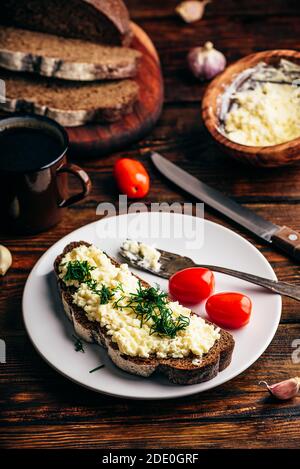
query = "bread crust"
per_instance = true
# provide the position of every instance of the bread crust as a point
(108, 63)
(97, 112)
(44, 16)
(66, 70)
(177, 370)
(68, 118)
(117, 13)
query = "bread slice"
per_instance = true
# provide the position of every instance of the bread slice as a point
(104, 21)
(177, 370)
(69, 103)
(70, 59)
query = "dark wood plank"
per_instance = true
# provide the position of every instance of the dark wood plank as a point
(244, 433)
(36, 397)
(181, 136)
(149, 10)
(237, 28)
(275, 362)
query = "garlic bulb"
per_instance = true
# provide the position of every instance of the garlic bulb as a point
(206, 62)
(285, 389)
(191, 10)
(5, 259)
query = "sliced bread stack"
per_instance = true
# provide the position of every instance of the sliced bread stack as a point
(68, 59)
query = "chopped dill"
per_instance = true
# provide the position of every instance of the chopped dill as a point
(78, 346)
(96, 369)
(79, 271)
(105, 294)
(149, 303)
(119, 287)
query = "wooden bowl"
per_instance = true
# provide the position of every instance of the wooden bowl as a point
(270, 156)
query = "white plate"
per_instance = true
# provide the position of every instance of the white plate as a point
(51, 332)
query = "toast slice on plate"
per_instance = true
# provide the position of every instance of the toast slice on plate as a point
(187, 370)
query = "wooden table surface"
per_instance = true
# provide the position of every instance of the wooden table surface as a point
(42, 409)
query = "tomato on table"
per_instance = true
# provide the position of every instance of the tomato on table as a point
(192, 285)
(132, 178)
(230, 310)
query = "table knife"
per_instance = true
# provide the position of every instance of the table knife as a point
(281, 237)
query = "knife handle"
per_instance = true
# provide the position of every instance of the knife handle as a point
(288, 240)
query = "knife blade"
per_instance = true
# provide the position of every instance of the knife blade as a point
(282, 236)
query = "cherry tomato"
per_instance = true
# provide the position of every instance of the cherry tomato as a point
(229, 310)
(190, 286)
(132, 178)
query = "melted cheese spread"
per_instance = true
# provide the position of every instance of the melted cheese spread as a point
(122, 324)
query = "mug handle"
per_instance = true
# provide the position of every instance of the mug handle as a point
(84, 179)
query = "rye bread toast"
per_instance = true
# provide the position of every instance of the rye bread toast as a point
(177, 370)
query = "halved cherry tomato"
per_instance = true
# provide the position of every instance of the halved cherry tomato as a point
(190, 286)
(229, 310)
(132, 178)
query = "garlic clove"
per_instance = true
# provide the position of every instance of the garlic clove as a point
(206, 62)
(191, 10)
(284, 390)
(5, 259)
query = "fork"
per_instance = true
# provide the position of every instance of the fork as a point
(171, 263)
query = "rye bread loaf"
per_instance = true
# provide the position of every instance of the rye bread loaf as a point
(70, 59)
(69, 103)
(177, 370)
(104, 21)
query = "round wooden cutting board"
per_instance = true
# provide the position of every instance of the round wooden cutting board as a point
(95, 140)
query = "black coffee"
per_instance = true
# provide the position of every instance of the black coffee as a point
(28, 149)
